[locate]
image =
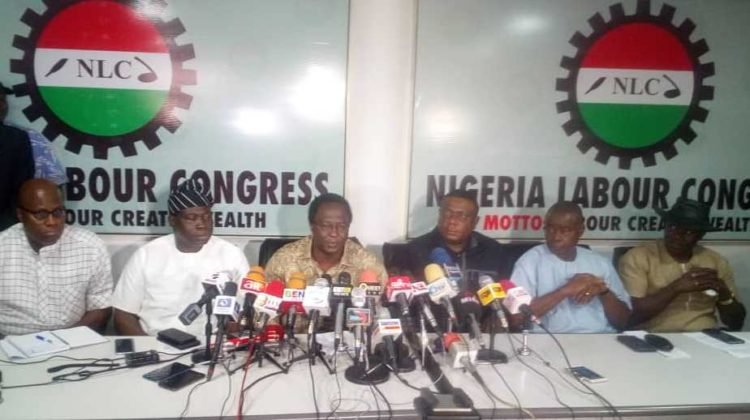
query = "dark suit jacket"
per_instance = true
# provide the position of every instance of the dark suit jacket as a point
(16, 166)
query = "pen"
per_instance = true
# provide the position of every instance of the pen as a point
(40, 338)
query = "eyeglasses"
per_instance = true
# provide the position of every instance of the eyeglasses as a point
(42, 215)
(194, 217)
(461, 216)
(333, 227)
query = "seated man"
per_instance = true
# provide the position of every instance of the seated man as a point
(328, 250)
(471, 250)
(575, 290)
(164, 276)
(457, 218)
(51, 275)
(668, 278)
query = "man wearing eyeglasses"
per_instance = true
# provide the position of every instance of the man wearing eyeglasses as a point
(676, 284)
(328, 249)
(164, 276)
(574, 289)
(52, 276)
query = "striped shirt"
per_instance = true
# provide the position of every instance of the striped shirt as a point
(55, 287)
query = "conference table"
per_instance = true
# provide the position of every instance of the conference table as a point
(705, 381)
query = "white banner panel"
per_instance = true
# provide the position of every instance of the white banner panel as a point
(618, 106)
(247, 95)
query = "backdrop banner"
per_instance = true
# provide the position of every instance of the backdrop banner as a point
(618, 106)
(246, 95)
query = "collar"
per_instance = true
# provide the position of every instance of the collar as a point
(472, 242)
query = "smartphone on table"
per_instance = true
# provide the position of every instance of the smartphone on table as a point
(585, 374)
(124, 345)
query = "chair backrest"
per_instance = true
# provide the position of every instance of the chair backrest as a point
(271, 245)
(395, 256)
(617, 253)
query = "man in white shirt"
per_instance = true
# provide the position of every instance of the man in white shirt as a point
(51, 275)
(164, 276)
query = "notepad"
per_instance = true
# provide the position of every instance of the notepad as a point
(49, 342)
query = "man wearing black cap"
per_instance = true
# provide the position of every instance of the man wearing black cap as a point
(164, 276)
(676, 284)
(16, 163)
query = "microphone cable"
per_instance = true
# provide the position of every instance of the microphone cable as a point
(552, 385)
(312, 383)
(521, 410)
(570, 366)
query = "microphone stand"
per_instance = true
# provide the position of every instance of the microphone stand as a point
(361, 373)
(205, 355)
(524, 350)
(490, 355)
(261, 353)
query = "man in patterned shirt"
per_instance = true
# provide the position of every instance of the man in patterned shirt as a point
(328, 250)
(51, 275)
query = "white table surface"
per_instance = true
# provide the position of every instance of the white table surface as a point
(639, 384)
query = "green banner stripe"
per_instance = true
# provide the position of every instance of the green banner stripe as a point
(632, 126)
(104, 112)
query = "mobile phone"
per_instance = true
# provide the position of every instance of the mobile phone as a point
(636, 344)
(585, 374)
(181, 380)
(165, 372)
(124, 345)
(722, 336)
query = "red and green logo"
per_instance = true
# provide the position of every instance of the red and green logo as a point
(104, 73)
(635, 85)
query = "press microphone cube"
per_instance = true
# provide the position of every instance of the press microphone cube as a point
(292, 298)
(460, 352)
(419, 288)
(227, 306)
(388, 327)
(490, 293)
(190, 314)
(398, 286)
(358, 317)
(440, 289)
(316, 299)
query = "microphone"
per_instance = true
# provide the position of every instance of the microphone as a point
(398, 290)
(211, 286)
(225, 305)
(291, 303)
(370, 279)
(517, 300)
(471, 310)
(268, 302)
(462, 354)
(419, 294)
(492, 294)
(452, 271)
(340, 297)
(358, 316)
(253, 284)
(440, 289)
(316, 302)
(389, 329)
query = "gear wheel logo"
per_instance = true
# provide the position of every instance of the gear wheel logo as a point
(103, 73)
(635, 85)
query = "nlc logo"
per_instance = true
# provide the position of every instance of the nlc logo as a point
(635, 85)
(103, 73)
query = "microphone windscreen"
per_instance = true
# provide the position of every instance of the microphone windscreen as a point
(440, 256)
(345, 278)
(433, 272)
(275, 288)
(230, 289)
(368, 276)
(297, 280)
(256, 273)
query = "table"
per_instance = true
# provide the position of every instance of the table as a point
(711, 383)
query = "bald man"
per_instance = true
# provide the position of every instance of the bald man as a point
(575, 290)
(51, 275)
